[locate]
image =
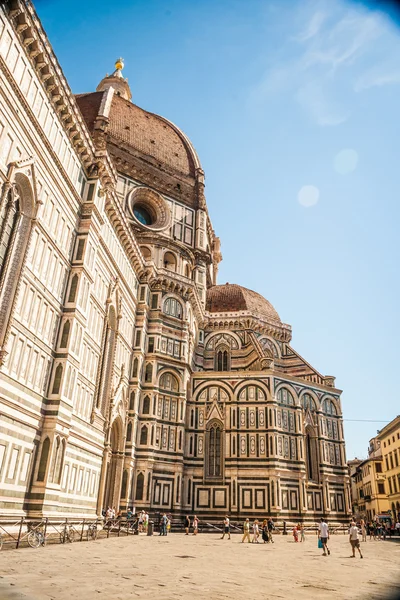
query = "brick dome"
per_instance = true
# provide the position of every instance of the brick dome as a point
(231, 297)
(149, 135)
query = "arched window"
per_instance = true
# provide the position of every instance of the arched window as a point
(124, 484)
(173, 308)
(222, 359)
(16, 221)
(214, 449)
(106, 364)
(146, 406)
(132, 401)
(60, 461)
(57, 379)
(56, 452)
(129, 432)
(169, 382)
(135, 368)
(146, 252)
(285, 397)
(308, 401)
(180, 440)
(65, 334)
(170, 261)
(43, 460)
(8, 222)
(139, 487)
(148, 376)
(143, 435)
(73, 288)
(311, 444)
(329, 407)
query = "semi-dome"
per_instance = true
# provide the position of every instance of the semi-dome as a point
(231, 297)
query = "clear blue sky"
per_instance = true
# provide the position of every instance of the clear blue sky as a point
(278, 96)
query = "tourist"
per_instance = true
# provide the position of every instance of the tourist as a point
(140, 526)
(363, 531)
(246, 531)
(397, 528)
(195, 525)
(226, 528)
(169, 517)
(145, 521)
(109, 513)
(295, 534)
(353, 539)
(163, 527)
(129, 517)
(271, 527)
(187, 524)
(372, 533)
(300, 527)
(264, 532)
(256, 532)
(323, 533)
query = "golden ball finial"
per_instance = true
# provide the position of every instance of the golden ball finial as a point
(119, 64)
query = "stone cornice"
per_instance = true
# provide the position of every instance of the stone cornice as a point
(28, 28)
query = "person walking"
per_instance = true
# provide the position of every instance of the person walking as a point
(323, 533)
(264, 532)
(300, 527)
(271, 527)
(246, 531)
(227, 528)
(195, 525)
(363, 531)
(295, 534)
(187, 524)
(140, 522)
(353, 539)
(256, 532)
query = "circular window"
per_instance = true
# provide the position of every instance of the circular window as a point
(148, 209)
(142, 214)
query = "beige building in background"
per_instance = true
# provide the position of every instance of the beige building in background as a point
(369, 484)
(128, 377)
(389, 438)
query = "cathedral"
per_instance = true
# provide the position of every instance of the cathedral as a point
(128, 376)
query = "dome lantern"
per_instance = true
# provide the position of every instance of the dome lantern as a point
(116, 81)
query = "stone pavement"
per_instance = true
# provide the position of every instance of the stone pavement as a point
(180, 566)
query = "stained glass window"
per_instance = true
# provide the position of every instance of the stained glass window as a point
(142, 214)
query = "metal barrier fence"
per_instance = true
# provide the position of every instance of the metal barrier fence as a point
(35, 532)
(39, 532)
